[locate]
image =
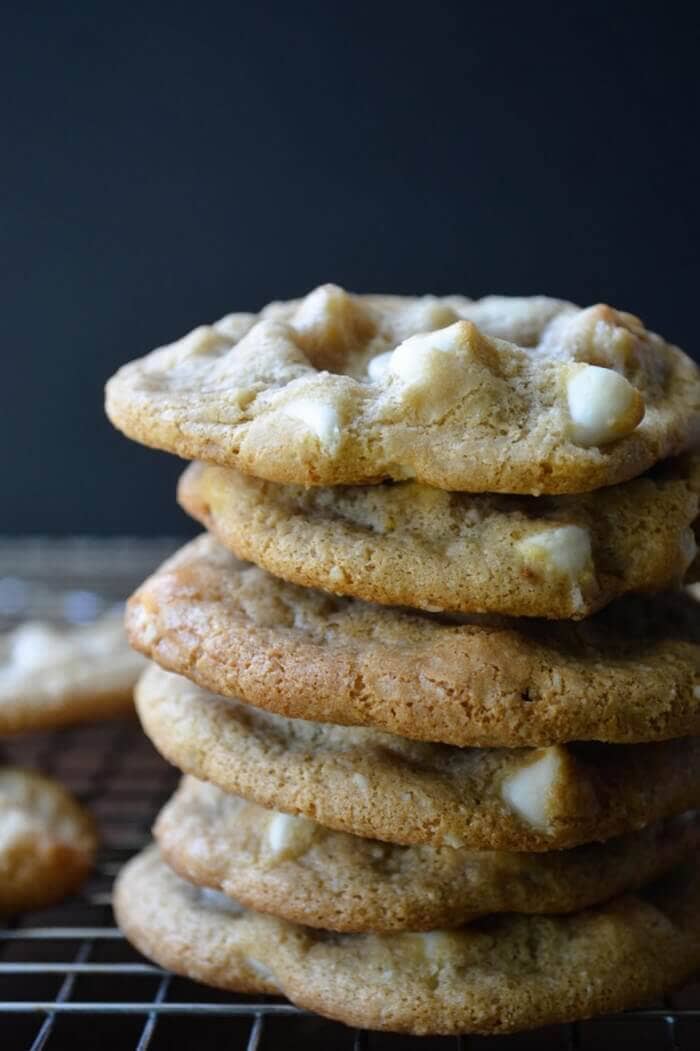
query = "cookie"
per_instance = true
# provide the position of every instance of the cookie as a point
(52, 676)
(409, 545)
(47, 841)
(299, 871)
(631, 673)
(501, 395)
(498, 975)
(385, 787)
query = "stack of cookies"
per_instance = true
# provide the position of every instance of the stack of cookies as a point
(439, 738)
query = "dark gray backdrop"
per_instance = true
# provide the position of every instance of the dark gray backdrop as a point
(163, 164)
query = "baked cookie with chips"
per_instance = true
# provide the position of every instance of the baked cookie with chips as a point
(497, 975)
(385, 787)
(501, 395)
(47, 841)
(296, 869)
(406, 544)
(629, 674)
(54, 676)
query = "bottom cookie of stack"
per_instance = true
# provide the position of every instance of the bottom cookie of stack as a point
(497, 974)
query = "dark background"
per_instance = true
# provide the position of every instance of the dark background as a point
(162, 165)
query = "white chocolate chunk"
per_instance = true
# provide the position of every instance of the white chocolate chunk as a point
(329, 323)
(319, 307)
(261, 970)
(378, 367)
(414, 361)
(564, 550)
(319, 417)
(289, 837)
(336, 575)
(233, 327)
(603, 405)
(214, 899)
(598, 335)
(433, 371)
(205, 339)
(423, 315)
(528, 791)
(36, 645)
(436, 944)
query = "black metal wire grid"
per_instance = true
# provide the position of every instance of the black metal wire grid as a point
(68, 978)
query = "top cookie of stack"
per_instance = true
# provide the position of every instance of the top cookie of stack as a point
(527, 396)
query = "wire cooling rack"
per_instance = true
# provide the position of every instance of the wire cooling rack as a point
(68, 979)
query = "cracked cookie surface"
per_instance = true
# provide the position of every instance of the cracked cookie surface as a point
(389, 788)
(629, 674)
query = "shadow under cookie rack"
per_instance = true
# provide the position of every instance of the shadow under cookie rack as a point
(68, 979)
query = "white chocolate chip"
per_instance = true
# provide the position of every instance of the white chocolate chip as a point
(423, 315)
(414, 361)
(289, 837)
(36, 645)
(319, 306)
(205, 339)
(431, 372)
(429, 950)
(696, 691)
(329, 323)
(436, 944)
(319, 417)
(528, 791)
(336, 575)
(261, 970)
(564, 550)
(603, 405)
(360, 781)
(598, 335)
(214, 899)
(378, 367)
(233, 327)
